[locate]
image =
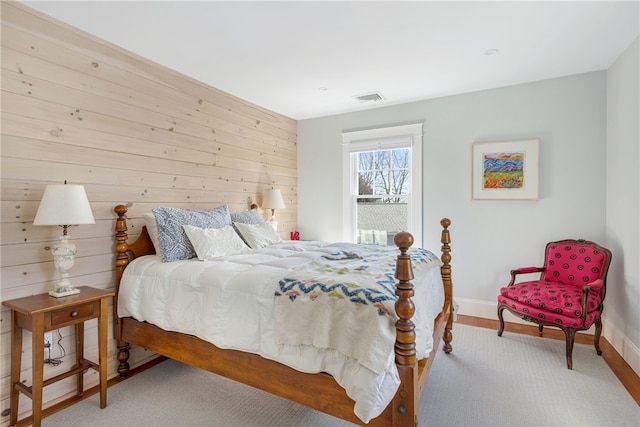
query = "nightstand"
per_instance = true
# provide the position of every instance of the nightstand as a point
(42, 313)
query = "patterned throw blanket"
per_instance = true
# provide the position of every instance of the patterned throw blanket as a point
(344, 301)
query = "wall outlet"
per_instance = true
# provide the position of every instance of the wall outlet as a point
(48, 339)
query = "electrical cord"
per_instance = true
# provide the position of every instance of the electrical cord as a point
(55, 361)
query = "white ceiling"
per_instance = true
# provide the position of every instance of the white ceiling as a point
(281, 55)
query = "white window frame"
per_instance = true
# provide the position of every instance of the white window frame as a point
(404, 136)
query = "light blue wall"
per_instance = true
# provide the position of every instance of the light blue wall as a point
(489, 237)
(623, 196)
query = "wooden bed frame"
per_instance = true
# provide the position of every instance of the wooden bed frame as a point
(317, 391)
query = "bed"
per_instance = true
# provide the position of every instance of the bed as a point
(386, 392)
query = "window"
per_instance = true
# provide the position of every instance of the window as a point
(383, 184)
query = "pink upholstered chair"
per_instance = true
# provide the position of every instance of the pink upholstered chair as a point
(569, 293)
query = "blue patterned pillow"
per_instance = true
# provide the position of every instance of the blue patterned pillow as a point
(174, 243)
(247, 217)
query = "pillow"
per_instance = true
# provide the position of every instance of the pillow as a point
(210, 243)
(257, 235)
(247, 217)
(174, 243)
(152, 229)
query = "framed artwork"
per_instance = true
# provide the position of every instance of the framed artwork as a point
(505, 170)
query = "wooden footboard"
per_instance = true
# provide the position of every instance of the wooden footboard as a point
(317, 391)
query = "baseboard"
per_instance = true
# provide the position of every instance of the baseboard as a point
(485, 309)
(622, 344)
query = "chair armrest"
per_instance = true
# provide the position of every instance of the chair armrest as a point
(594, 286)
(524, 270)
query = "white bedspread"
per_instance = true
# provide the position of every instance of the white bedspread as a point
(230, 303)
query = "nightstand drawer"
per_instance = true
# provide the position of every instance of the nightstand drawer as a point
(74, 314)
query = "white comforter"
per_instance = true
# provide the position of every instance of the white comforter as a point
(230, 303)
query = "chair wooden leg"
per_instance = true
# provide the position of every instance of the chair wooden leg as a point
(500, 310)
(571, 337)
(596, 340)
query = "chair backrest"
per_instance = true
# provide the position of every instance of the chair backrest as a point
(576, 262)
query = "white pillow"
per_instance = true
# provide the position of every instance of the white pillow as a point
(258, 235)
(210, 243)
(152, 229)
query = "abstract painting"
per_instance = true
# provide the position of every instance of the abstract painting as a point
(505, 170)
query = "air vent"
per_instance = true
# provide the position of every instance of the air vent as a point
(370, 97)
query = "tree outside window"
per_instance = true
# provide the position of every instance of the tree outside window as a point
(383, 176)
(383, 188)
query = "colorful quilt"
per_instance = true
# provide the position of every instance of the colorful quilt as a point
(345, 301)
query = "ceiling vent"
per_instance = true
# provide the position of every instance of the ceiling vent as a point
(370, 97)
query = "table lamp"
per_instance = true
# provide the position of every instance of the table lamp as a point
(64, 205)
(273, 200)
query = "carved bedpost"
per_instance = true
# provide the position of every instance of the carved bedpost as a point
(448, 284)
(122, 259)
(406, 334)
(405, 404)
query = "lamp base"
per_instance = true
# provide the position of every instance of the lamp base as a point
(63, 257)
(64, 292)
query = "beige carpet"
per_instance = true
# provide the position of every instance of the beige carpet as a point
(514, 380)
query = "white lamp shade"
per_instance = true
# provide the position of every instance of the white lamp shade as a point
(64, 204)
(272, 199)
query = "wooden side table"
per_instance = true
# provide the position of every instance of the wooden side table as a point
(42, 313)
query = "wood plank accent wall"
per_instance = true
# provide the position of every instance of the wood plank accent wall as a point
(79, 109)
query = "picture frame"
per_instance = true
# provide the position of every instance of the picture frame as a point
(506, 170)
